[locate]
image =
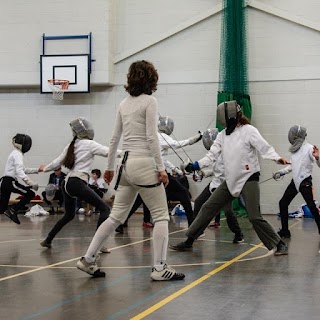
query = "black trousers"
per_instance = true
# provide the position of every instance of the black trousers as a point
(78, 188)
(177, 192)
(306, 191)
(99, 191)
(57, 196)
(136, 205)
(9, 185)
(174, 191)
(232, 220)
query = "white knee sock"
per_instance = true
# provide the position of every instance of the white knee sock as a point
(101, 235)
(160, 244)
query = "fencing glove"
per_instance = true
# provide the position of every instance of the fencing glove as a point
(190, 167)
(178, 171)
(33, 185)
(195, 138)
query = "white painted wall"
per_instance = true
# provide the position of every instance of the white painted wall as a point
(284, 70)
(22, 24)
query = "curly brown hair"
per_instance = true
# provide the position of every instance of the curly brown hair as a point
(243, 119)
(142, 78)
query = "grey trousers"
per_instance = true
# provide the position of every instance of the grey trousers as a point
(220, 197)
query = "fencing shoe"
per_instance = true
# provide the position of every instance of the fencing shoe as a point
(238, 238)
(45, 243)
(284, 233)
(120, 229)
(167, 273)
(182, 246)
(90, 268)
(105, 250)
(12, 214)
(282, 249)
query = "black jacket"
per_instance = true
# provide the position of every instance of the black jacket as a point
(53, 178)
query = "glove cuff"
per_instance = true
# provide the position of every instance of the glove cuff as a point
(28, 182)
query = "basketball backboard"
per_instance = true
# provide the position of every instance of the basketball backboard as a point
(72, 67)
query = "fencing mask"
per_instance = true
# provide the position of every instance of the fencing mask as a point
(82, 128)
(228, 114)
(166, 125)
(296, 137)
(50, 191)
(22, 142)
(208, 137)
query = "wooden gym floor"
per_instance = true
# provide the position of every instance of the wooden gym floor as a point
(223, 280)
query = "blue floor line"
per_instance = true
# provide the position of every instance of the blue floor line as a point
(80, 296)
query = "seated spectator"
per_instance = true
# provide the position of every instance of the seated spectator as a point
(56, 179)
(97, 183)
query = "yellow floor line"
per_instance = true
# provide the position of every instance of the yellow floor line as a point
(192, 285)
(195, 283)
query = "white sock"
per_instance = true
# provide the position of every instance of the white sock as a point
(101, 235)
(160, 244)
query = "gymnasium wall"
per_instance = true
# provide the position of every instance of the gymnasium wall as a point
(182, 38)
(22, 24)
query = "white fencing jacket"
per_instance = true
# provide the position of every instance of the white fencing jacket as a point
(165, 143)
(84, 151)
(217, 171)
(15, 168)
(240, 155)
(301, 164)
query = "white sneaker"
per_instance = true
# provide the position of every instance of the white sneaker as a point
(81, 211)
(90, 268)
(105, 250)
(89, 213)
(167, 273)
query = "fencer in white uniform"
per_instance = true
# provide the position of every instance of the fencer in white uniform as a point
(239, 143)
(175, 191)
(303, 156)
(15, 170)
(142, 171)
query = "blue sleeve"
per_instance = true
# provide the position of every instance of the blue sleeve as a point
(196, 165)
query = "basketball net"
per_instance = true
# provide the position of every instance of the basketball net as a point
(58, 88)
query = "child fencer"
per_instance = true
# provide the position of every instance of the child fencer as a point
(175, 190)
(9, 182)
(303, 156)
(78, 156)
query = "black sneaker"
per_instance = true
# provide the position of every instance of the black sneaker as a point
(119, 229)
(12, 214)
(282, 249)
(182, 246)
(284, 233)
(238, 238)
(51, 211)
(45, 243)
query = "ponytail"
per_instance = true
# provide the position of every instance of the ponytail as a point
(69, 159)
(243, 120)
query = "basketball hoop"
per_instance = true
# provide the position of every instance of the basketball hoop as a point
(58, 88)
